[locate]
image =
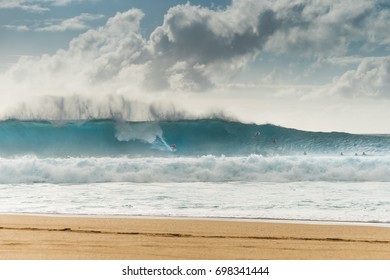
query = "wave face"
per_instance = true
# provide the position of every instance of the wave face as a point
(109, 138)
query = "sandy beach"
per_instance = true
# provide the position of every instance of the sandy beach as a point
(52, 237)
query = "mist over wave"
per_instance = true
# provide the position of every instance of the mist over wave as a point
(104, 107)
(58, 108)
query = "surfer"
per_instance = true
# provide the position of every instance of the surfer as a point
(256, 140)
(173, 147)
(341, 154)
(274, 141)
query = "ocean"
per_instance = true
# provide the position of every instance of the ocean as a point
(206, 168)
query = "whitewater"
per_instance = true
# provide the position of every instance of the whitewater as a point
(193, 168)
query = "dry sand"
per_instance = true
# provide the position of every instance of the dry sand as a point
(48, 237)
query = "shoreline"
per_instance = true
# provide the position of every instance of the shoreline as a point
(211, 218)
(30, 236)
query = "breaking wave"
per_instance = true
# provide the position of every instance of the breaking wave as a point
(253, 168)
(211, 150)
(110, 138)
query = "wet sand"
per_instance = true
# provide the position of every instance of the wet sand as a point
(97, 238)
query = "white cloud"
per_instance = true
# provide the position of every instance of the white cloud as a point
(321, 27)
(211, 46)
(344, 60)
(29, 6)
(370, 79)
(36, 6)
(97, 56)
(75, 23)
(207, 45)
(61, 2)
(16, 27)
(378, 33)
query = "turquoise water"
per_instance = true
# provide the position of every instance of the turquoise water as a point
(191, 137)
(193, 168)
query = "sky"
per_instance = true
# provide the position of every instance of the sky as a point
(319, 65)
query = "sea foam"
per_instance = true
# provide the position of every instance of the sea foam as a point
(252, 168)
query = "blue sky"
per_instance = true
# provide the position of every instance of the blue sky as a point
(314, 65)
